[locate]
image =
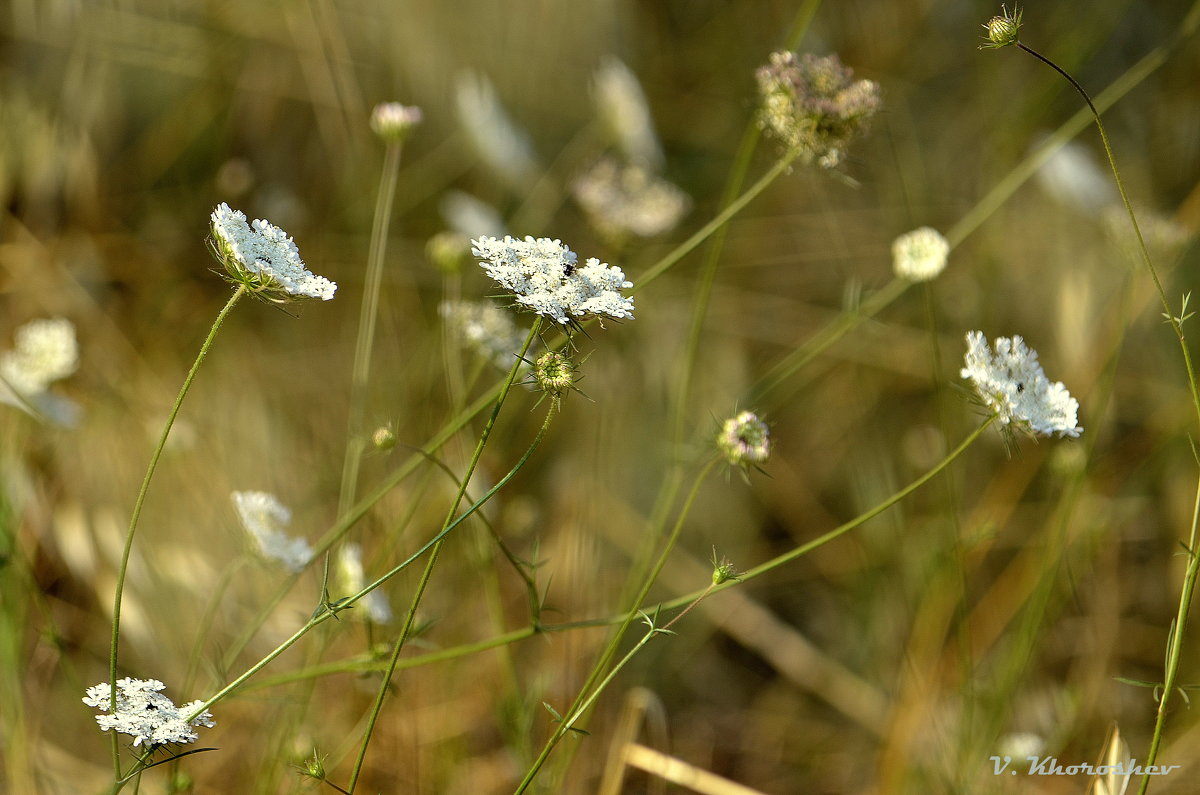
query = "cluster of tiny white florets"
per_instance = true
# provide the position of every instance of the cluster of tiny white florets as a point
(144, 713)
(1011, 383)
(813, 104)
(920, 255)
(263, 258)
(488, 329)
(744, 439)
(46, 351)
(350, 569)
(544, 275)
(628, 200)
(392, 121)
(264, 518)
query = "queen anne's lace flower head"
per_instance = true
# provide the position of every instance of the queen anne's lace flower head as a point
(263, 258)
(487, 328)
(622, 200)
(264, 518)
(744, 440)
(544, 275)
(46, 351)
(814, 105)
(1011, 383)
(920, 255)
(145, 714)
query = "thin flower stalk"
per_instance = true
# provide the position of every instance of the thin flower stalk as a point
(1171, 668)
(436, 548)
(135, 515)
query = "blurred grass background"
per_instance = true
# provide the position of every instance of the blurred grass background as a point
(1001, 598)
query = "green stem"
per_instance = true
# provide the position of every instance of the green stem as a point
(123, 568)
(449, 521)
(635, 607)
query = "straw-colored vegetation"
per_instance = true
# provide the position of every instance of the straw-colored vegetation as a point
(918, 596)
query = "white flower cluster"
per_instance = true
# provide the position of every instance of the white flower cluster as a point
(145, 714)
(264, 518)
(920, 255)
(487, 328)
(350, 569)
(264, 258)
(621, 200)
(46, 352)
(393, 121)
(545, 276)
(1011, 382)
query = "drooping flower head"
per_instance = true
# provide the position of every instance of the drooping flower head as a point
(145, 714)
(1011, 383)
(544, 275)
(814, 106)
(264, 517)
(744, 440)
(920, 255)
(392, 121)
(263, 258)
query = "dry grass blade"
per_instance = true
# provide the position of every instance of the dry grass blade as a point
(679, 772)
(1115, 754)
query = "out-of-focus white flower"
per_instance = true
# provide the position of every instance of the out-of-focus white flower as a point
(145, 714)
(495, 138)
(486, 328)
(46, 351)
(544, 276)
(470, 217)
(1011, 383)
(814, 106)
(392, 121)
(264, 518)
(1072, 177)
(263, 258)
(1021, 745)
(621, 106)
(920, 255)
(744, 440)
(350, 570)
(623, 200)
(1164, 237)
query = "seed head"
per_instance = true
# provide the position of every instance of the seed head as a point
(1002, 30)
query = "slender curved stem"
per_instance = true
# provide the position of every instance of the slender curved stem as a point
(428, 572)
(123, 568)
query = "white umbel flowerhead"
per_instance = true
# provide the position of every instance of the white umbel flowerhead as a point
(488, 329)
(264, 518)
(920, 255)
(46, 352)
(544, 275)
(1011, 383)
(263, 258)
(744, 440)
(145, 714)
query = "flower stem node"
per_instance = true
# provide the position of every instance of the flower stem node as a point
(1002, 31)
(744, 440)
(263, 259)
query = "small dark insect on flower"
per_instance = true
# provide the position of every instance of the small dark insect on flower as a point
(1020, 387)
(568, 268)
